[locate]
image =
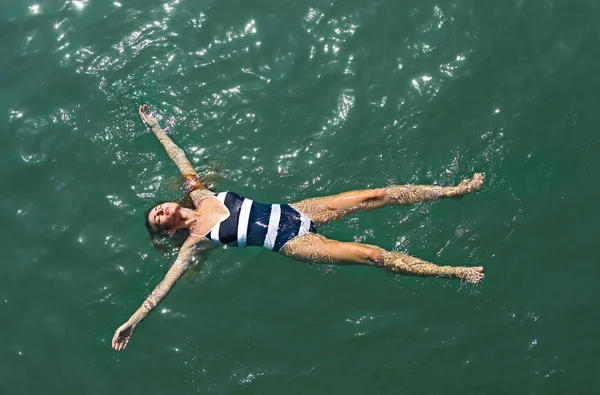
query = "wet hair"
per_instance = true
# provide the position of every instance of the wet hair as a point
(154, 232)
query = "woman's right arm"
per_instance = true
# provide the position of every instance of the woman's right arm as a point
(192, 246)
(175, 153)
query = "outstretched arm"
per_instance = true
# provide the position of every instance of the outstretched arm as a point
(175, 153)
(191, 246)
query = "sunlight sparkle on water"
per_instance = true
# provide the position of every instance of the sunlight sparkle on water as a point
(34, 9)
(533, 343)
(14, 114)
(250, 377)
(440, 16)
(79, 4)
(250, 27)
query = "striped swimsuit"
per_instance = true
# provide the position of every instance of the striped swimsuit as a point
(252, 223)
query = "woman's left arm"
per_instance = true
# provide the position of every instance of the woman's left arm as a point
(192, 245)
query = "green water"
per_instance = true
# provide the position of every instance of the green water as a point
(294, 99)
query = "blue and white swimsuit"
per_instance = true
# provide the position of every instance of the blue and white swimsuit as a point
(252, 223)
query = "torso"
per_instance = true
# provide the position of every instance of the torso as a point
(230, 219)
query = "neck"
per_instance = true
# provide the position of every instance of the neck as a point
(187, 214)
(188, 218)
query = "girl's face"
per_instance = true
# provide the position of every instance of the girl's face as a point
(164, 216)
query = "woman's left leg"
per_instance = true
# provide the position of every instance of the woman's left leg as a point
(329, 208)
(314, 248)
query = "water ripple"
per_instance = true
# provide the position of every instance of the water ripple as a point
(287, 101)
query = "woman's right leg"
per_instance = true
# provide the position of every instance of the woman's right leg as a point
(314, 248)
(329, 208)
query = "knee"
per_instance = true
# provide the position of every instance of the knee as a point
(373, 196)
(376, 257)
(371, 256)
(377, 193)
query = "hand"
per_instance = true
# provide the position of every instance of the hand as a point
(122, 335)
(146, 117)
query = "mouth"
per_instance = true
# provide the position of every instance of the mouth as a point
(167, 211)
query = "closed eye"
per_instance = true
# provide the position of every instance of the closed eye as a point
(157, 216)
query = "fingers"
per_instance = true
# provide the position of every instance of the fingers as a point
(115, 339)
(121, 338)
(123, 344)
(120, 344)
(147, 118)
(142, 111)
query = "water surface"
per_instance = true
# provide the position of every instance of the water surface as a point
(289, 100)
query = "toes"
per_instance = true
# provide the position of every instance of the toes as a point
(473, 184)
(476, 277)
(477, 179)
(473, 275)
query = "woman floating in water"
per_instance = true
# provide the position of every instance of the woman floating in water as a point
(227, 218)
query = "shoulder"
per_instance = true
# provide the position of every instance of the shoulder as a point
(198, 243)
(198, 194)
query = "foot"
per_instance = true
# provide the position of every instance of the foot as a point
(468, 186)
(470, 274)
